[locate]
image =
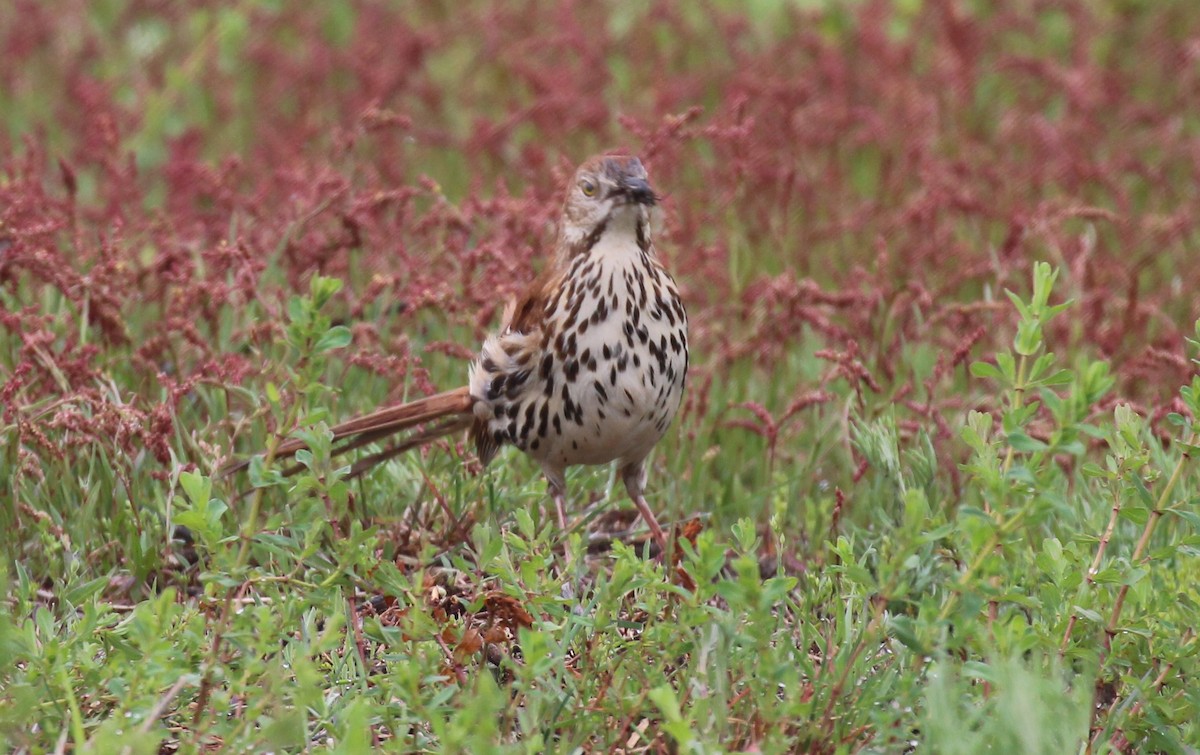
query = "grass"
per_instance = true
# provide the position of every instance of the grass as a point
(916, 512)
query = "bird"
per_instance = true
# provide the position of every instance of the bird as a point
(589, 364)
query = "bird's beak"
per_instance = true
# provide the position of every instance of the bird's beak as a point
(638, 190)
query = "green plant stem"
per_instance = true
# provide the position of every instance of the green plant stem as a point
(1144, 541)
(251, 521)
(1090, 577)
(993, 608)
(835, 693)
(1018, 397)
(992, 543)
(246, 535)
(1106, 537)
(1187, 640)
(77, 730)
(1110, 629)
(991, 546)
(1136, 709)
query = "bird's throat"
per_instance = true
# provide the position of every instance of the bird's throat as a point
(625, 233)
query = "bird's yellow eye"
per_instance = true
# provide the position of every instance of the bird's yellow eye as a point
(588, 188)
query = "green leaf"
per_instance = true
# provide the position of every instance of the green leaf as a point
(1028, 339)
(746, 535)
(902, 628)
(1073, 447)
(204, 519)
(1052, 402)
(1040, 365)
(916, 509)
(286, 731)
(354, 722)
(1191, 449)
(1022, 442)
(316, 416)
(335, 338)
(1021, 473)
(1092, 431)
(197, 487)
(81, 593)
(323, 288)
(1163, 553)
(1092, 469)
(936, 533)
(525, 524)
(667, 702)
(1191, 517)
(1062, 377)
(1019, 304)
(1135, 575)
(1144, 494)
(971, 438)
(1137, 515)
(1008, 366)
(297, 312)
(986, 370)
(260, 476)
(1019, 416)
(1052, 547)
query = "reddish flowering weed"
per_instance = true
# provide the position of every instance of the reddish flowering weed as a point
(865, 182)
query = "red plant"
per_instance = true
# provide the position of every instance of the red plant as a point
(878, 185)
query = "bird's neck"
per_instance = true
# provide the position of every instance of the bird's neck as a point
(621, 237)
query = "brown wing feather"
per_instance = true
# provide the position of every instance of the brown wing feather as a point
(530, 310)
(522, 315)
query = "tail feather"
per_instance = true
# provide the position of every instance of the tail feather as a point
(453, 406)
(393, 419)
(449, 427)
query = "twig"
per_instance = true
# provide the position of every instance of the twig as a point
(1137, 706)
(1095, 567)
(455, 666)
(159, 708)
(1139, 552)
(359, 642)
(838, 686)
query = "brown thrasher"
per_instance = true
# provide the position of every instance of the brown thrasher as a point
(589, 366)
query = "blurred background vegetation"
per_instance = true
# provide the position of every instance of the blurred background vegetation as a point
(896, 547)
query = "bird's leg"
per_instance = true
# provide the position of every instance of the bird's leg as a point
(560, 507)
(634, 476)
(557, 482)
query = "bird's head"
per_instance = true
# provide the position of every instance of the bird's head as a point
(607, 194)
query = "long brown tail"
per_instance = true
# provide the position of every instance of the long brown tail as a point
(452, 407)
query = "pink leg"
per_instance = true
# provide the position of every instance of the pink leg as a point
(560, 503)
(558, 492)
(634, 476)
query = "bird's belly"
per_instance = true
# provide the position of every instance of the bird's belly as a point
(615, 399)
(600, 380)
